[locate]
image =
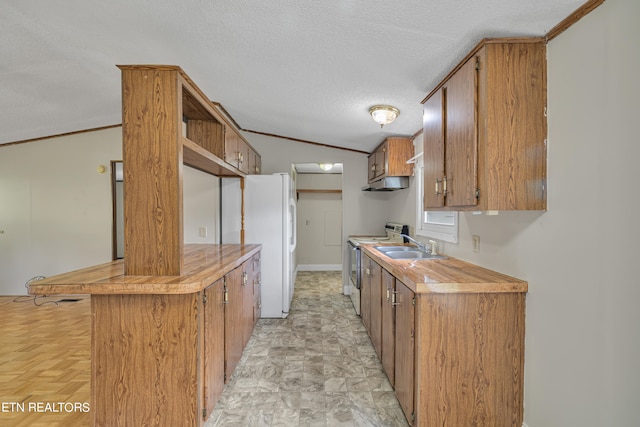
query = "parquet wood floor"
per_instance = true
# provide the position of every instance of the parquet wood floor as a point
(45, 359)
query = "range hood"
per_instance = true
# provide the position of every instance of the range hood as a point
(389, 183)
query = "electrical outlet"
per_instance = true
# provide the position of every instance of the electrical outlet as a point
(203, 231)
(476, 243)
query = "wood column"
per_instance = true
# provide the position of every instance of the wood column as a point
(152, 154)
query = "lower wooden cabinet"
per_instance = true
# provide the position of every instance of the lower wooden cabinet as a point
(405, 350)
(454, 359)
(239, 315)
(389, 326)
(257, 289)
(213, 337)
(470, 359)
(233, 324)
(365, 292)
(375, 331)
(238, 299)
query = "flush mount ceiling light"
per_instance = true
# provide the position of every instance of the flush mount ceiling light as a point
(384, 114)
(326, 166)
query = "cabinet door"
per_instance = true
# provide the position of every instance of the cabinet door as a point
(381, 160)
(372, 166)
(405, 319)
(213, 359)
(257, 288)
(233, 325)
(433, 140)
(461, 149)
(365, 292)
(231, 141)
(376, 308)
(258, 164)
(243, 156)
(388, 325)
(252, 162)
(247, 301)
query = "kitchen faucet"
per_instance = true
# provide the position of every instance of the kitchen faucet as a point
(433, 249)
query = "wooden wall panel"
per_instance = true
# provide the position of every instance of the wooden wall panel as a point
(144, 360)
(471, 358)
(152, 173)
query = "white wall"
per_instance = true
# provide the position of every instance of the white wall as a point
(55, 208)
(201, 206)
(319, 225)
(582, 341)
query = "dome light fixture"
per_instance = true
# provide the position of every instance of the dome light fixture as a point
(383, 114)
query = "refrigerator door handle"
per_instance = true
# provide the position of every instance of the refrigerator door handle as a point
(294, 234)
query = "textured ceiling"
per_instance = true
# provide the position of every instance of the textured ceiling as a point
(301, 69)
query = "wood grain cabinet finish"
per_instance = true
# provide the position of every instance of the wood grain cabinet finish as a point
(144, 356)
(365, 291)
(485, 130)
(248, 275)
(213, 346)
(390, 159)
(405, 351)
(453, 359)
(157, 101)
(469, 359)
(257, 288)
(389, 325)
(240, 310)
(375, 324)
(255, 162)
(234, 324)
(239, 153)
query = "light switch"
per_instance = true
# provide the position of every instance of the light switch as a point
(203, 231)
(476, 243)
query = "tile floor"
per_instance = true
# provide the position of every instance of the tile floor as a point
(315, 368)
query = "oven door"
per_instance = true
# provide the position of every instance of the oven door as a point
(354, 275)
(354, 262)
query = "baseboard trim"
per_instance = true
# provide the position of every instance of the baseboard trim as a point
(319, 267)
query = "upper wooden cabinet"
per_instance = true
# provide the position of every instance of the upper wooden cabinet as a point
(485, 130)
(158, 102)
(239, 154)
(390, 159)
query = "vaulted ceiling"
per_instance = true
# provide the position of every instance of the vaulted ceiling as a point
(301, 69)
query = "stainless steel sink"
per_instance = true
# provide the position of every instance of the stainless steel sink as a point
(407, 252)
(386, 249)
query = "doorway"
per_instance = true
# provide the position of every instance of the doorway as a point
(319, 224)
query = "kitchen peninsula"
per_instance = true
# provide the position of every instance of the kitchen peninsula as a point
(450, 336)
(160, 346)
(170, 321)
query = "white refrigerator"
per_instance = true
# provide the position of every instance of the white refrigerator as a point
(270, 220)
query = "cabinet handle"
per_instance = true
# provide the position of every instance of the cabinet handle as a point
(394, 298)
(244, 278)
(367, 271)
(444, 186)
(225, 299)
(437, 187)
(388, 294)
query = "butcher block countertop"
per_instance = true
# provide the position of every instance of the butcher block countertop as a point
(448, 275)
(203, 265)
